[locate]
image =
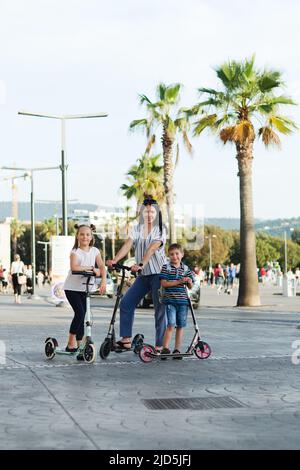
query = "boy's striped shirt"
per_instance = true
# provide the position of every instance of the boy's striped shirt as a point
(177, 294)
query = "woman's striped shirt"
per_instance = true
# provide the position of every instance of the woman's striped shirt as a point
(142, 243)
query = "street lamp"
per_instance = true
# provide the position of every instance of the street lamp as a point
(209, 238)
(102, 237)
(46, 253)
(63, 166)
(29, 173)
(285, 251)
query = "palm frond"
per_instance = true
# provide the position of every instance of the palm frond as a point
(172, 93)
(226, 134)
(209, 91)
(139, 123)
(177, 155)
(187, 142)
(244, 132)
(150, 143)
(144, 99)
(161, 91)
(269, 137)
(269, 80)
(282, 124)
(241, 133)
(207, 121)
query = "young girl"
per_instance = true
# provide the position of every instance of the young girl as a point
(84, 257)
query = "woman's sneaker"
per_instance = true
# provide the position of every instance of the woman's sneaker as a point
(165, 351)
(175, 352)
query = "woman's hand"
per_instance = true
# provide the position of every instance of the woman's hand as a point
(110, 263)
(136, 268)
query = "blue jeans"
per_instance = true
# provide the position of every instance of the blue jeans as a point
(128, 304)
(177, 315)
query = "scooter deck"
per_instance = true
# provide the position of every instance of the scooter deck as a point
(165, 356)
(61, 352)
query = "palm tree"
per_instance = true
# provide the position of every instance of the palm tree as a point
(48, 228)
(16, 229)
(247, 94)
(145, 177)
(163, 116)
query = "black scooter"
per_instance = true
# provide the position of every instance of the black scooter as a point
(109, 344)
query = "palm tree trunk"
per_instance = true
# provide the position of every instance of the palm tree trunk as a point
(167, 143)
(14, 245)
(248, 286)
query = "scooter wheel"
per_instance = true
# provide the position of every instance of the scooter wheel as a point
(105, 349)
(202, 350)
(50, 346)
(89, 353)
(145, 351)
(137, 343)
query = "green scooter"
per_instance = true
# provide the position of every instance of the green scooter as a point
(87, 349)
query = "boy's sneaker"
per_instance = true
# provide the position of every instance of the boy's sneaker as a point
(176, 351)
(165, 351)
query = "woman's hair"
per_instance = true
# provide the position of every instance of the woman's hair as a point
(78, 227)
(17, 258)
(150, 201)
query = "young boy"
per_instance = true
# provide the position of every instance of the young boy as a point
(173, 276)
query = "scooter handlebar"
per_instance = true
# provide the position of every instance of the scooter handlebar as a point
(121, 267)
(84, 273)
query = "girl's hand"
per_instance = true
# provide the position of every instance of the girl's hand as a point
(102, 288)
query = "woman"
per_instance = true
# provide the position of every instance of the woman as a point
(18, 274)
(148, 238)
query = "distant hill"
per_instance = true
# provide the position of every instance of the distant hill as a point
(42, 210)
(226, 224)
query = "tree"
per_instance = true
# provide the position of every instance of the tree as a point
(48, 228)
(247, 94)
(145, 177)
(296, 236)
(163, 116)
(16, 229)
(266, 251)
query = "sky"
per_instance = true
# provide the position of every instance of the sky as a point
(86, 56)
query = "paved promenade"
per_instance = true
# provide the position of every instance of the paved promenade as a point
(63, 404)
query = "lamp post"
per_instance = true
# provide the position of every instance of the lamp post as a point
(29, 173)
(209, 238)
(46, 253)
(286, 250)
(63, 166)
